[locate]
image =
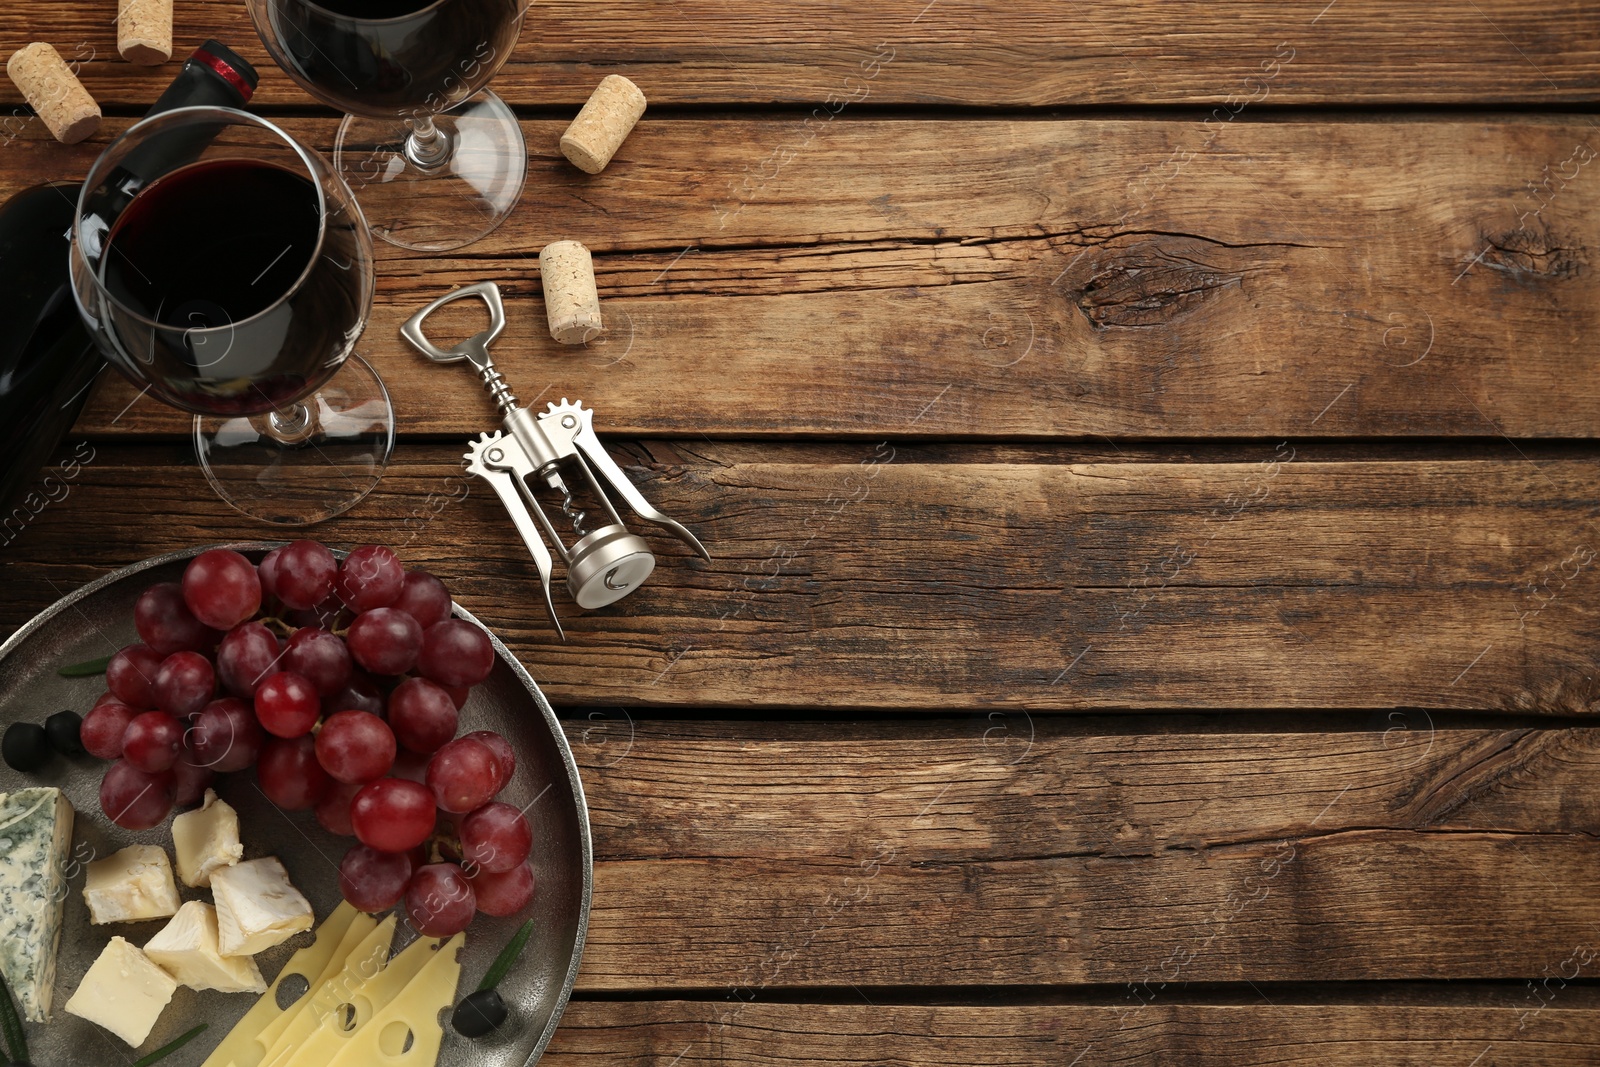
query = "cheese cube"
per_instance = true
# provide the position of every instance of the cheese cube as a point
(35, 839)
(123, 992)
(186, 948)
(257, 907)
(131, 885)
(205, 839)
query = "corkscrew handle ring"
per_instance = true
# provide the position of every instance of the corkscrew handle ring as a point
(474, 348)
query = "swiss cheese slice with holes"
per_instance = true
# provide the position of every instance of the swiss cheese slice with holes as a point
(368, 959)
(239, 1048)
(408, 1032)
(425, 972)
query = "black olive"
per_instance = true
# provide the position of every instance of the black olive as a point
(479, 1013)
(25, 747)
(63, 728)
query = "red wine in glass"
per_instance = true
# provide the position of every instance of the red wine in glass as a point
(436, 159)
(254, 319)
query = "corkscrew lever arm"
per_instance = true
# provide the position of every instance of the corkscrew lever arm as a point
(505, 486)
(591, 447)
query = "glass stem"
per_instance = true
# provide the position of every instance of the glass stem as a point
(427, 147)
(292, 424)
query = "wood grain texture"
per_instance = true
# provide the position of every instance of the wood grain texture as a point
(692, 1034)
(1028, 279)
(1273, 584)
(1007, 785)
(1002, 857)
(1029, 53)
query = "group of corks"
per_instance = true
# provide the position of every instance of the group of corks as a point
(565, 268)
(144, 36)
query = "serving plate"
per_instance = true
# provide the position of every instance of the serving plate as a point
(97, 620)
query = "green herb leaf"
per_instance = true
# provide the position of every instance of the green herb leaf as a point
(508, 956)
(86, 668)
(168, 1049)
(15, 1041)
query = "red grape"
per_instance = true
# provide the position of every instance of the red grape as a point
(495, 838)
(392, 814)
(333, 810)
(370, 577)
(422, 714)
(267, 573)
(153, 742)
(355, 746)
(108, 697)
(440, 900)
(320, 658)
(290, 775)
(385, 640)
(135, 799)
(226, 736)
(504, 893)
(459, 694)
(104, 727)
(455, 652)
(221, 588)
(504, 754)
(361, 694)
(305, 574)
(464, 775)
(184, 683)
(131, 675)
(246, 656)
(191, 779)
(373, 881)
(424, 598)
(287, 705)
(166, 624)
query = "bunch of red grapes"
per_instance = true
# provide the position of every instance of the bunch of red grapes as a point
(354, 714)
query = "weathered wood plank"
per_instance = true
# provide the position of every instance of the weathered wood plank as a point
(1027, 53)
(1030, 279)
(692, 1034)
(1007, 785)
(1276, 584)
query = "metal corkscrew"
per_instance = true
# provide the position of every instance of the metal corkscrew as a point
(604, 564)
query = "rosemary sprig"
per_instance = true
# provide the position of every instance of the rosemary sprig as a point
(16, 1041)
(508, 956)
(170, 1047)
(86, 668)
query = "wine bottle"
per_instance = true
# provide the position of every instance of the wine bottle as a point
(47, 360)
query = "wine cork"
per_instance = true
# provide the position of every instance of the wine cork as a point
(598, 131)
(144, 31)
(49, 85)
(571, 301)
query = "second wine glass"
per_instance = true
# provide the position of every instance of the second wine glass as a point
(436, 160)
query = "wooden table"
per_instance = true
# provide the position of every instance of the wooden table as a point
(1148, 452)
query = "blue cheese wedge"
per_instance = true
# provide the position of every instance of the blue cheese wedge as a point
(257, 907)
(35, 842)
(186, 948)
(131, 886)
(123, 992)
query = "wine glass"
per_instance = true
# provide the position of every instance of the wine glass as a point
(437, 160)
(227, 270)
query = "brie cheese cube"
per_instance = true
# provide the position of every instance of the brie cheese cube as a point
(130, 886)
(205, 839)
(35, 839)
(257, 907)
(186, 948)
(123, 992)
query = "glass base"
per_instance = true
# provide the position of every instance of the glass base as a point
(309, 462)
(415, 203)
